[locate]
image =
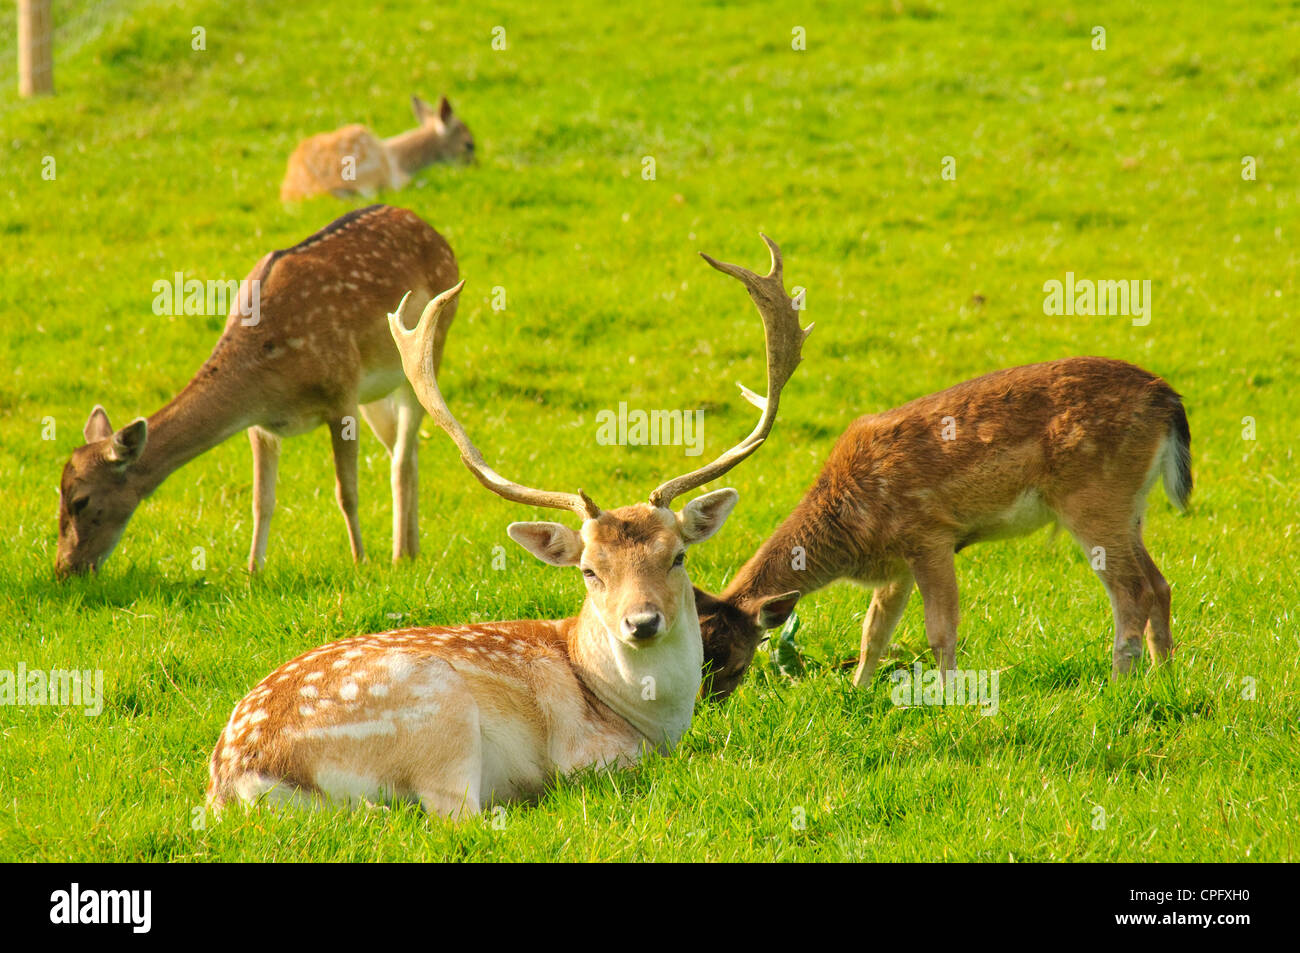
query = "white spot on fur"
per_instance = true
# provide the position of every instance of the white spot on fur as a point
(399, 666)
(375, 727)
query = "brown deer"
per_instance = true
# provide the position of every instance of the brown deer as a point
(459, 717)
(314, 349)
(352, 160)
(1078, 441)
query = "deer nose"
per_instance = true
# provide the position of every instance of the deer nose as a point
(64, 568)
(644, 624)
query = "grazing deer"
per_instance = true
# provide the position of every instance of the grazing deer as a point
(314, 349)
(1077, 441)
(459, 717)
(353, 160)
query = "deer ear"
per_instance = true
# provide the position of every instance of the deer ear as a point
(774, 610)
(128, 443)
(424, 113)
(97, 425)
(704, 515)
(552, 543)
(444, 109)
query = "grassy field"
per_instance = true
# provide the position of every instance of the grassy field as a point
(1118, 163)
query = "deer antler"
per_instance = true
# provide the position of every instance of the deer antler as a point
(416, 347)
(784, 340)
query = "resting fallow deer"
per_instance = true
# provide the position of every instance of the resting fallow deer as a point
(1078, 442)
(314, 349)
(353, 160)
(459, 717)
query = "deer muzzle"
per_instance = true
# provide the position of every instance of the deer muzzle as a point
(645, 623)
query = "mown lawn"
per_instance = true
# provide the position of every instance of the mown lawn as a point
(1122, 163)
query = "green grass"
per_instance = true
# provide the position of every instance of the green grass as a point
(1115, 164)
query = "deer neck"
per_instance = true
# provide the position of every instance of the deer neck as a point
(806, 552)
(204, 414)
(414, 149)
(652, 687)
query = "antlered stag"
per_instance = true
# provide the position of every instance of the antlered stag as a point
(460, 717)
(313, 349)
(1078, 441)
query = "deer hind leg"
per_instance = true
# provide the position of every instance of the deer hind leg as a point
(887, 605)
(1160, 640)
(266, 466)
(1112, 553)
(936, 577)
(343, 435)
(449, 779)
(448, 802)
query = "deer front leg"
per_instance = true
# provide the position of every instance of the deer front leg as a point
(936, 577)
(406, 475)
(383, 417)
(266, 466)
(887, 605)
(343, 435)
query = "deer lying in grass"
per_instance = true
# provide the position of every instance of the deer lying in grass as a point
(1078, 441)
(314, 349)
(352, 160)
(460, 717)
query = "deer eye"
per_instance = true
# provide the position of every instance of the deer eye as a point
(78, 505)
(589, 573)
(680, 560)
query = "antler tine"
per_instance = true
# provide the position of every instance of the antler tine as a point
(784, 340)
(774, 271)
(417, 350)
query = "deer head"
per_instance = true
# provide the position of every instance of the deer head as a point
(441, 133)
(97, 493)
(732, 632)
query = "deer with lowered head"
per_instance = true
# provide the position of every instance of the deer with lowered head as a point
(459, 717)
(353, 160)
(314, 350)
(1078, 442)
